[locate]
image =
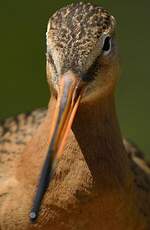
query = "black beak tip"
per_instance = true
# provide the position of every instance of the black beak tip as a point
(33, 216)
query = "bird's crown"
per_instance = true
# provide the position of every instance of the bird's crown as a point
(74, 31)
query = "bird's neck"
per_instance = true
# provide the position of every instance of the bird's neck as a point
(98, 134)
(94, 163)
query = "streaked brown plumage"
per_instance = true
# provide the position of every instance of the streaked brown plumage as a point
(97, 183)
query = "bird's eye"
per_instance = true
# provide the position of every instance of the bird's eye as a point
(107, 45)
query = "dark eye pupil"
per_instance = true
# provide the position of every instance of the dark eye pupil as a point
(106, 45)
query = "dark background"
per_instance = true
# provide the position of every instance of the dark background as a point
(23, 85)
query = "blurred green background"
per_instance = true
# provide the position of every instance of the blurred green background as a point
(23, 85)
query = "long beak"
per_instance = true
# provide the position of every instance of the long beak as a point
(69, 95)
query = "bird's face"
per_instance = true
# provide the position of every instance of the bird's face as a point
(82, 61)
(82, 64)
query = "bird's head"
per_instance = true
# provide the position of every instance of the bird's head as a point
(82, 65)
(81, 46)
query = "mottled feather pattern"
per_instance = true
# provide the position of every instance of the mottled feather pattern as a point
(15, 133)
(141, 172)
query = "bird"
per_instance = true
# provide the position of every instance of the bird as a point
(68, 167)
